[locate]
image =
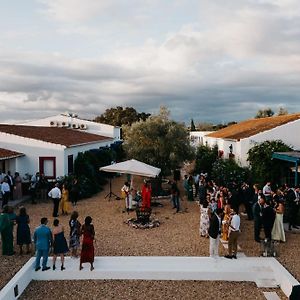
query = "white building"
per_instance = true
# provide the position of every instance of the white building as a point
(244, 135)
(196, 137)
(68, 120)
(49, 150)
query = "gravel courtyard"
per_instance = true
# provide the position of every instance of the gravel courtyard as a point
(178, 235)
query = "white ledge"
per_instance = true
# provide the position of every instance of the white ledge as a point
(265, 272)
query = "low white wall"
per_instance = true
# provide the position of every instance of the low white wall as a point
(265, 272)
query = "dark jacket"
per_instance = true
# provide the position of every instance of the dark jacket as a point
(214, 227)
(268, 217)
(257, 211)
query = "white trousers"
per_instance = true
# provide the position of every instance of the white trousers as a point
(214, 246)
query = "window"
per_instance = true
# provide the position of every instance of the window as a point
(48, 167)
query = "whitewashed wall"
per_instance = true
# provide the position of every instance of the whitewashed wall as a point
(33, 149)
(289, 133)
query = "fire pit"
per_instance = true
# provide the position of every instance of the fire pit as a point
(143, 220)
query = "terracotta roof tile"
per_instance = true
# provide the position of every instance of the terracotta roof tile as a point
(61, 136)
(6, 154)
(253, 126)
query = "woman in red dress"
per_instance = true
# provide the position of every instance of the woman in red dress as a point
(87, 250)
(146, 195)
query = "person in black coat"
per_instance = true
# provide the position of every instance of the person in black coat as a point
(214, 232)
(268, 218)
(258, 208)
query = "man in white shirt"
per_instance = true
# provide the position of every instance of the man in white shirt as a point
(5, 190)
(234, 229)
(267, 191)
(55, 195)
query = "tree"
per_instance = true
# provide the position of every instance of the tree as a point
(263, 113)
(121, 116)
(158, 141)
(263, 168)
(193, 128)
(282, 111)
(227, 171)
(205, 157)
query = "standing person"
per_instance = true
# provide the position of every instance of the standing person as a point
(196, 182)
(87, 251)
(190, 194)
(226, 223)
(202, 189)
(42, 238)
(33, 187)
(74, 192)
(268, 218)
(75, 227)
(6, 229)
(267, 191)
(278, 233)
(293, 200)
(23, 230)
(234, 229)
(125, 194)
(247, 195)
(186, 185)
(204, 219)
(55, 195)
(64, 202)
(60, 246)
(43, 185)
(10, 181)
(214, 232)
(18, 186)
(146, 195)
(175, 196)
(258, 208)
(5, 190)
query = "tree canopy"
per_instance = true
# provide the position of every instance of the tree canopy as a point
(263, 113)
(263, 167)
(205, 158)
(118, 116)
(158, 141)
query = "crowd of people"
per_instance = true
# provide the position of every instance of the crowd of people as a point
(220, 205)
(46, 240)
(10, 187)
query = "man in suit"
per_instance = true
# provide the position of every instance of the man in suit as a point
(268, 218)
(214, 232)
(258, 208)
(43, 240)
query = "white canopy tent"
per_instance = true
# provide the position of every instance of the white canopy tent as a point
(133, 167)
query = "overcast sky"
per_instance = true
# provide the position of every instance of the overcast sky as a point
(210, 60)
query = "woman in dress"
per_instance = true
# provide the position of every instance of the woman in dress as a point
(225, 222)
(204, 219)
(74, 241)
(6, 230)
(60, 246)
(64, 202)
(23, 230)
(278, 229)
(18, 186)
(87, 251)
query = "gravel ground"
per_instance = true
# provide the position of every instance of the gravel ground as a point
(178, 235)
